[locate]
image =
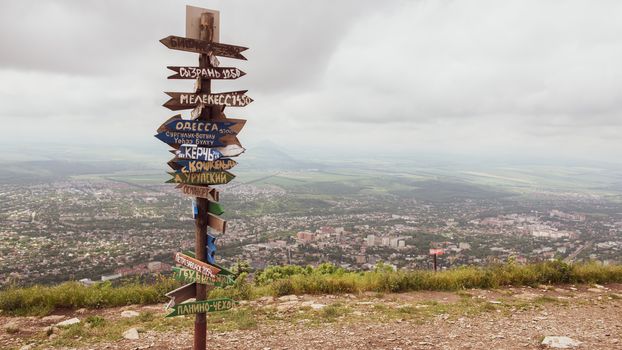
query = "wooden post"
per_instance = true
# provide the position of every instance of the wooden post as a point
(201, 222)
(434, 262)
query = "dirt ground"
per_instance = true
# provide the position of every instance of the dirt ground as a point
(509, 318)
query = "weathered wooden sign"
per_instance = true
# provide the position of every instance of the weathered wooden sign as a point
(214, 126)
(189, 100)
(187, 72)
(202, 46)
(187, 275)
(196, 265)
(208, 193)
(216, 223)
(436, 251)
(213, 178)
(203, 306)
(197, 138)
(198, 166)
(195, 152)
(184, 293)
(223, 271)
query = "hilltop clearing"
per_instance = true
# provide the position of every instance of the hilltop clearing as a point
(506, 318)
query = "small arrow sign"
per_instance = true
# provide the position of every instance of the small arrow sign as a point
(213, 178)
(223, 271)
(215, 208)
(187, 72)
(197, 138)
(187, 275)
(196, 265)
(211, 194)
(185, 166)
(189, 100)
(214, 126)
(204, 306)
(195, 152)
(203, 46)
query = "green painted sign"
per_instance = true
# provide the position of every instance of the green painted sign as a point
(204, 306)
(188, 276)
(215, 208)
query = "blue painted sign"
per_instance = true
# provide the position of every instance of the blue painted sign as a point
(197, 138)
(197, 153)
(211, 249)
(214, 126)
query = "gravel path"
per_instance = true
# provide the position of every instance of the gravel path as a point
(512, 318)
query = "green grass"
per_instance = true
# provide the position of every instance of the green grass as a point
(324, 279)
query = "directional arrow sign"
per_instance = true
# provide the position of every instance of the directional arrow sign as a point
(214, 126)
(200, 153)
(187, 275)
(198, 307)
(215, 208)
(186, 72)
(213, 178)
(198, 166)
(223, 271)
(197, 138)
(184, 293)
(203, 46)
(216, 223)
(211, 194)
(189, 100)
(196, 265)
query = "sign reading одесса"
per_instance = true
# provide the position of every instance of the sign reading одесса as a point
(214, 126)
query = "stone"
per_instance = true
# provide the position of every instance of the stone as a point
(52, 318)
(68, 322)
(291, 297)
(131, 334)
(560, 342)
(287, 306)
(317, 306)
(129, 313)
(267, 299)
(594, 290)
(27, 346)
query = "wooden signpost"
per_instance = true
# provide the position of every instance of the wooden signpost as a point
(203, 145)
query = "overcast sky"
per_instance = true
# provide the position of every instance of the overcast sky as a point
(467, 77)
